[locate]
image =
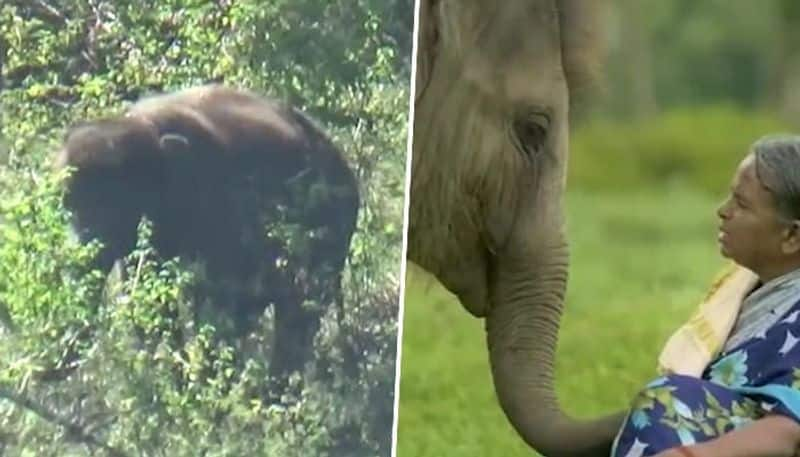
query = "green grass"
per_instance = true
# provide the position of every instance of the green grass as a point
(640, 265)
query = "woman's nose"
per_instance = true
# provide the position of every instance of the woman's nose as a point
(722, 210)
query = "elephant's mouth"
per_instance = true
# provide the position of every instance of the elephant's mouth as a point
(472, 294)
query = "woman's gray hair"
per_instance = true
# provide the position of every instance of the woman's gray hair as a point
(777, 163)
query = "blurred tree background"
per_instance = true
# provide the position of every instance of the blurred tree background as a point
(345, 62)
(685, 89)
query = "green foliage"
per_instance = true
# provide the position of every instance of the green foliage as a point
(131, 364)
(33, 297)
(697, 147)
(697, 53)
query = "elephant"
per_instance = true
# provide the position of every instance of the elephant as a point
(222, 173)
(489, 157)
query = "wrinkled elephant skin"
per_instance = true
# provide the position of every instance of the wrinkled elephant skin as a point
(488, 175)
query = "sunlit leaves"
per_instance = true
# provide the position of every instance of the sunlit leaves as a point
(123, 355)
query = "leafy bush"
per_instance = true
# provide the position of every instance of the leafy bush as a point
(119, 365)
(699, 148)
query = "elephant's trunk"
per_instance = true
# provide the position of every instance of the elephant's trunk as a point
(522, 332)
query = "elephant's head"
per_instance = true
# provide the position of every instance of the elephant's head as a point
(488, 175)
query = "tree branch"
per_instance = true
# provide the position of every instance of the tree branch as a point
(74, 431)
(43, 8)
(5, 316)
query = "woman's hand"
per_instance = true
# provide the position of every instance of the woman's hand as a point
(770, 436)
(670, 453)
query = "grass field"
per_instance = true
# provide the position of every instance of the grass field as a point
(640, 264)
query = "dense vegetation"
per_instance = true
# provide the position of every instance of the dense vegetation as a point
(88, 365)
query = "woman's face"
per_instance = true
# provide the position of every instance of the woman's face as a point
(751, 232)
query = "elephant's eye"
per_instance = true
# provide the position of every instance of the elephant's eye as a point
(530, 130)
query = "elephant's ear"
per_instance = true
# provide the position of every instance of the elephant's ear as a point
(584, 43)
(427, 43)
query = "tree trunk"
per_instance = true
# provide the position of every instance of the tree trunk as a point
(785, 94)
(637, 58)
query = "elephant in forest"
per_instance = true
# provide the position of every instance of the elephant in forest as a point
(489, 159)
(250, 189)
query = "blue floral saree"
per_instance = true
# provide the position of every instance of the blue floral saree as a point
(759, 376)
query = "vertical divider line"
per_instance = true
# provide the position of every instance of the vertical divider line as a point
(407, 196)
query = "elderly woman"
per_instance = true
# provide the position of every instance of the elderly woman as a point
(744, 400)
